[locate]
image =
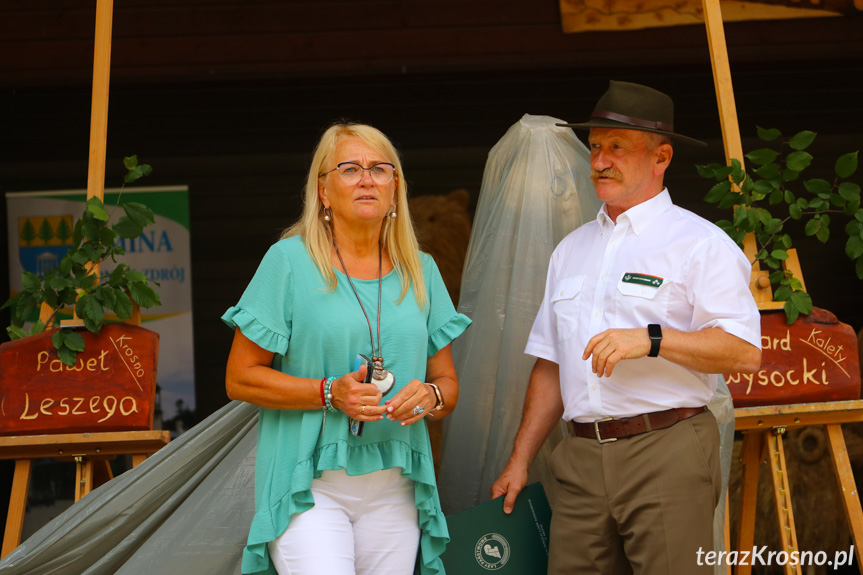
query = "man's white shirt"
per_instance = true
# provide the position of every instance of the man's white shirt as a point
(659, 264)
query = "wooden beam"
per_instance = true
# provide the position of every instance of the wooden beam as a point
(99, 108)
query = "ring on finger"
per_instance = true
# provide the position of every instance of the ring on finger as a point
(418, 409)
(363, 410)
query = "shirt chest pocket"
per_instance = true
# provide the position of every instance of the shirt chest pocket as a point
(566, 302)
(644, 302)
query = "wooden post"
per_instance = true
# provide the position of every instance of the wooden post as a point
(99, 107)
(722, 80)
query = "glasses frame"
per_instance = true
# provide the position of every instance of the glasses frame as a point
(339, 165)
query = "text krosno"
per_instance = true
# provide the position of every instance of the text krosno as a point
(761, 556)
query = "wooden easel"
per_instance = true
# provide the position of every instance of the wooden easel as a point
(90, 452)
(763, 428)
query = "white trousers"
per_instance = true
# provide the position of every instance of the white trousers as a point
(360, 525)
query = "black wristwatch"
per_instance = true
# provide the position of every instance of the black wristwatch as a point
(654, 331)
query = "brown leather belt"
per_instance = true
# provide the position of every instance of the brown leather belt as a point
(606, 430)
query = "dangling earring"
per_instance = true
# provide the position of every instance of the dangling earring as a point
(327, 214)
(393, 213)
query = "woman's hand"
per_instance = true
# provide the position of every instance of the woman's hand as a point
(357, 399)
(413, 402)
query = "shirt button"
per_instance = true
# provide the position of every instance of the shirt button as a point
(596, 314)
(614, 243)
(602, 276)
(561, 293)
(593, 388)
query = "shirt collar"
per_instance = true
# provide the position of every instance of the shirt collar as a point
(637, 216)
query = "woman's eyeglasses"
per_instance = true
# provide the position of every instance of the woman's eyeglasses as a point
(351, 172)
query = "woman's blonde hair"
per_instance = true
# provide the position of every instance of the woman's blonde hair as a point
(397, 234)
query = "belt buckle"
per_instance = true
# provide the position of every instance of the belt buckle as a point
(596, 429)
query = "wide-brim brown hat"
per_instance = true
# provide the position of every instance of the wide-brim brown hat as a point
(631, 106)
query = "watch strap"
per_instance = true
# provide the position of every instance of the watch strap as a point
(654, 331)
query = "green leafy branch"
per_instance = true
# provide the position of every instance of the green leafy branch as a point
(74, 282)
(752, 196)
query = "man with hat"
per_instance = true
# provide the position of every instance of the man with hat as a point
(641, 306)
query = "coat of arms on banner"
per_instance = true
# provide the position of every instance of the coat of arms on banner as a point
(43, 241)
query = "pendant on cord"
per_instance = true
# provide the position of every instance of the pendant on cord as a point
(382, 378)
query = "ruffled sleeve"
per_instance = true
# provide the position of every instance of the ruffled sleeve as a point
(265, 311)
(444, 322)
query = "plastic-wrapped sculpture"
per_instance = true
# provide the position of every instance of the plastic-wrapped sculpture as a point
(536, 189)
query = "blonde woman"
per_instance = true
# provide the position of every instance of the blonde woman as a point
(344, 475)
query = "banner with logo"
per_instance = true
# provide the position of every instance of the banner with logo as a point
(40, 228)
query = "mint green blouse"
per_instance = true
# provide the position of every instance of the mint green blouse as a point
(316, 333)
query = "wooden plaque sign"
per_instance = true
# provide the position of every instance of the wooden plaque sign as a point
(112, 387)
(814, 359)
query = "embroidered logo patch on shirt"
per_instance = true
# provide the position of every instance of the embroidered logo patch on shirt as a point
(642, 279)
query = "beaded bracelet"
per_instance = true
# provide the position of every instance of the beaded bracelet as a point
(328, 396)
(326, 400)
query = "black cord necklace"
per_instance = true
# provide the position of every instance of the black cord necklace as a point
(381, 377)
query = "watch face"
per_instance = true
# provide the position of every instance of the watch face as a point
(654, 331)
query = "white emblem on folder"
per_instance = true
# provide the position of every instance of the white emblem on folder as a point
(492, 551)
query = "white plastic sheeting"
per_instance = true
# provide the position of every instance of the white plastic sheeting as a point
(186, 510)
(536, 189)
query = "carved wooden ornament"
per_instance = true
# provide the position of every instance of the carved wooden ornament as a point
(814, 359)
(112, 386)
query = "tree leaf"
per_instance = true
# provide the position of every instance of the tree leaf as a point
(144, 295)
(130, 162)
(768, 172)
(126, 228)
(705, 170)
(67, 356)
(58, 338)
(812, 226)
(25, 306)
(763, 187)
(779, 254)
(854, 247)
(849, 191)
(802, 301)
(74, 340)
(823, 234)
(796, 211)
(106, 237)
(15, 332)
(791, 313)
(762, 156)
(97, 209)
(846, 165)
(90, 310)
(798, 161)
(789, 175)
(37, 327)
(117, 275)
(768, 135)
(31, 282)
(802, 140)
(78, 233)
(139, 213)
(122, 305)
(134, 276)
(717, 192)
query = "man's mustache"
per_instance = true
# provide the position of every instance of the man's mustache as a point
(612, 173)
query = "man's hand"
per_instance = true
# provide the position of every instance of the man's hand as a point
(510, 483)
(612, 345)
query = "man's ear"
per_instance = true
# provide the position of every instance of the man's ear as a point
(663, 154)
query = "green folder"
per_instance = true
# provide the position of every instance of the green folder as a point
(484, 538)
